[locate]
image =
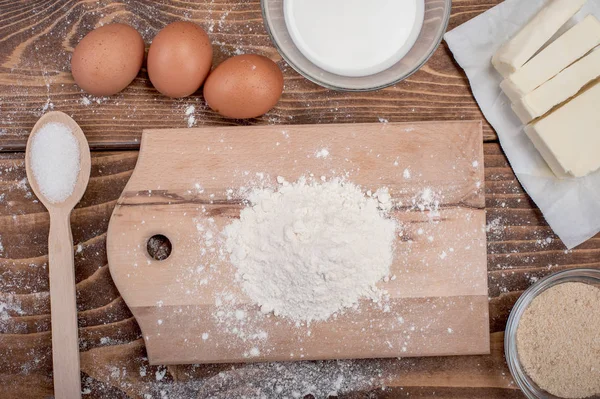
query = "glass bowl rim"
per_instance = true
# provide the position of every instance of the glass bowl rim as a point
(437, 42)
(524, 382)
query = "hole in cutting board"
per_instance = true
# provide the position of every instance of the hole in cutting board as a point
(159, 247)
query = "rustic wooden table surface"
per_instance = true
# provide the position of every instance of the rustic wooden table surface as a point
(36, 39)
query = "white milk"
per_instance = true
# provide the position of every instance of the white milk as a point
(354, 37)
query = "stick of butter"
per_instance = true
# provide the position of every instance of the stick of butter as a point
(518, 50)
(561, 53)
(558, 89)
(569, 138)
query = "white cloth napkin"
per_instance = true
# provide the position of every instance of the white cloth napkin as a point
(571, 206)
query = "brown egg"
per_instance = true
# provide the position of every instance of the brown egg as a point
(107, 59)
(244, 86)
(179, 59)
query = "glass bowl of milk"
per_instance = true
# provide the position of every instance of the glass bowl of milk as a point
(356, 45)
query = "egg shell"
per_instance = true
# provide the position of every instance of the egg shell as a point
(107, 59)
(244, 86)
(179, 59)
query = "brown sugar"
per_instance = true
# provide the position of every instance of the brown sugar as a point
(558, 340)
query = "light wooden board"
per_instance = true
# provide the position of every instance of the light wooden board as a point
(187, 183)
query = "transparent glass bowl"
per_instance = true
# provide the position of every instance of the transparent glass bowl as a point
(437, 14)
(527, 385)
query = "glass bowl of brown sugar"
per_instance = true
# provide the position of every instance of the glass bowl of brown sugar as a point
(552, 338)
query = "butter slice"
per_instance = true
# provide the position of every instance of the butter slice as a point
(569, 138)
(532, 37)
(558, 89)
(568, 48)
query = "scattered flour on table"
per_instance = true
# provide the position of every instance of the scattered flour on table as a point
(9, 307)
(289, 380)
(495, 228)
(22, 184)
(308, 250)
(88, 100)
(189, 113)
(160, 374)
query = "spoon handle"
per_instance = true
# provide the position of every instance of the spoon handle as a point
(65, 342)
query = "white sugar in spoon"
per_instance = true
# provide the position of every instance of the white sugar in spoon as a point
(59, 181)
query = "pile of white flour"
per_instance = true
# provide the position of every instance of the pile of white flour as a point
(310, 249)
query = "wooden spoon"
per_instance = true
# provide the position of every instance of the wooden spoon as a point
(65, 342)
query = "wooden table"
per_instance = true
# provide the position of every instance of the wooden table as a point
(36, 39)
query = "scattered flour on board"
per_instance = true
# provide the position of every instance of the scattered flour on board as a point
(322, 153)
(427, 201)
(310, 249)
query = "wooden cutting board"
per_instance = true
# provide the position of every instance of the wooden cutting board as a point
(188, 185)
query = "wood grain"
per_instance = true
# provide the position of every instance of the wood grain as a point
(521, 249)
(440, 272)
(37, 38)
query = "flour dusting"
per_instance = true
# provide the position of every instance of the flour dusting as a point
(308, 250)
(322, 153)
(9, 307)
(288, 380)
(190, 117)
